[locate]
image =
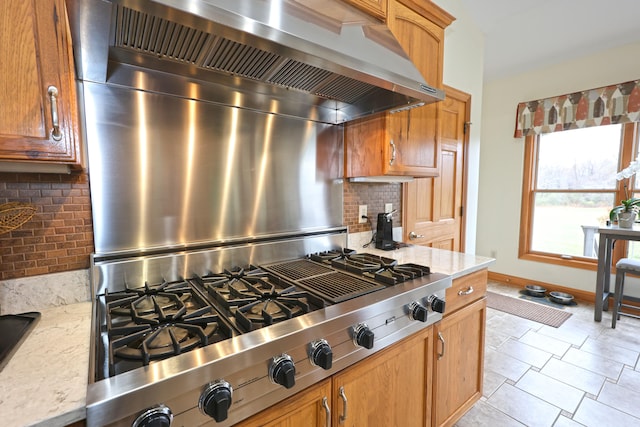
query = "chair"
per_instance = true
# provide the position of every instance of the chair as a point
(624, 266)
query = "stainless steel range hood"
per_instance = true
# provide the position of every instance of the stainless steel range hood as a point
(316, 59)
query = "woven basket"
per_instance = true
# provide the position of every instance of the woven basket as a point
(14, 214)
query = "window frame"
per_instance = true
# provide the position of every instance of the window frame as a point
(628, 148)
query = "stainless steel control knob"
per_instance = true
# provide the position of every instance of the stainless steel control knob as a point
(363, 336)
(282, 371)
(320, 354)
(215, 400)
(437, 304)
(418, 311)
(157, 416)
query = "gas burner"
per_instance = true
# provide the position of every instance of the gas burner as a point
(394, 274)
(328, 256)
(259, 300)
(363, 263)
(156, 322)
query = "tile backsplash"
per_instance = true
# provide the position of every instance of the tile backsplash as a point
(374, 195)
(59, 237)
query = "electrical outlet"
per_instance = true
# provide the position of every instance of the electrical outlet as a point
(362, 212)
(388, 207)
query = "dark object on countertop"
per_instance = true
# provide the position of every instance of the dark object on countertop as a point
(14, 328)
(384, 232)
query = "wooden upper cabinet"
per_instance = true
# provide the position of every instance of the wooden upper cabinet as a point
(37, 84)
(404, 143)
(377, 8)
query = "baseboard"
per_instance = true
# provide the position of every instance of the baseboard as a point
(520, 282)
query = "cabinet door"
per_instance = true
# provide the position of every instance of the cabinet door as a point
(459, 356)
(415, 132)
(388, 388)
(377, 8)
(307, 408)
(35, 47)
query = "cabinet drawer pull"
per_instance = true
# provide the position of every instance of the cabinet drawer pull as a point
(343, 417)
(469, 291)
(56, 135)
(327, 411)
(393, 152)
(441, 339)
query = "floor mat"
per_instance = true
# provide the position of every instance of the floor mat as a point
(527, 310)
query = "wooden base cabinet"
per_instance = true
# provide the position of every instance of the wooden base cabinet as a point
(307, 408)
(386, 389)
(38, 106)
(459, 362)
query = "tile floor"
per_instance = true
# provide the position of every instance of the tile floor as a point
(581, 374)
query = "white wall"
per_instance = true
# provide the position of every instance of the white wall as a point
(463, 65)
(501, 156)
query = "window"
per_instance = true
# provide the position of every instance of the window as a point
(569, 189)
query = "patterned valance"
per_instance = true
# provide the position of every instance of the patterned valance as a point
(602, 106)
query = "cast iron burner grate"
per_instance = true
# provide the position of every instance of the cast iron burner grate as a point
(259, 298)
(157, 322)
(395, 274)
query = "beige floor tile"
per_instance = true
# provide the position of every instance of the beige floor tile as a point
(621, 398)
(545, 343)
(572, 334)
(611, 351)
(520, 405)
(594, 363)
(575, 376)
(595, 414)
(491, 382)
(630, 379)
(563, 421)
(504, 365)
(551, 390)
(483, 414)
(525, 353)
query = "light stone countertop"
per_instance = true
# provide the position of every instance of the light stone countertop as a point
(455, 264)
(45, 382)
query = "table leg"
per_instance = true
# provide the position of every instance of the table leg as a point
(604, 271)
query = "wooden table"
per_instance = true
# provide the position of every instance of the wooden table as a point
(608, 235)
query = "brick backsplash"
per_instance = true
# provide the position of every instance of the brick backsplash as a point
(59, 237)
(374, 195)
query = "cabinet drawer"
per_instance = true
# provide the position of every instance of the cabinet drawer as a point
(465, 290)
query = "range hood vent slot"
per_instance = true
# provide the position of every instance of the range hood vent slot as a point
(239, 59)
(320, 61)
(156, 36)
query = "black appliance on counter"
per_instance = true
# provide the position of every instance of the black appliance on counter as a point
(244, 328)
(384, 232)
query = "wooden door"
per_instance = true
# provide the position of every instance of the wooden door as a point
(307, 408)
(390, 388)
(433, 207)
(459, 363)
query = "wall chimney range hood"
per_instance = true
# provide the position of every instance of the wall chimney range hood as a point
(321, 60)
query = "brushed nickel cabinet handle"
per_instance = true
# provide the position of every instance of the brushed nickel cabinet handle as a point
(56, 134)
(469, 291)
(441, 338)
(393, 152)
(343, 417)
(327, 411)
